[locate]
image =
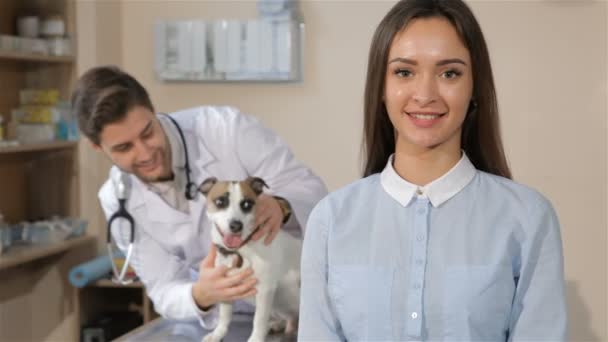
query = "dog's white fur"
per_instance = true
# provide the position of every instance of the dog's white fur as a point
(276, 267)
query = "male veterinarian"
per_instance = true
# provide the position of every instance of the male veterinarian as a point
(165, 158)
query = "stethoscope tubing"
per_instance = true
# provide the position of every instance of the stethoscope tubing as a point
(122, 213)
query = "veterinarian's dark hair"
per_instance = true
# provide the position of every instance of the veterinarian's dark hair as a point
(105, 95)
(480, 132)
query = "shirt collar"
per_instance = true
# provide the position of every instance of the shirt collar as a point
(438, 191)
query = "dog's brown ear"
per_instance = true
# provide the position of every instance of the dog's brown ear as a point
(206, 185)
(257, 184)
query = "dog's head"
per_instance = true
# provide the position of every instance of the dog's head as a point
(231, 207)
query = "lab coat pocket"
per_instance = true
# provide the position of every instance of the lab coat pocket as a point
(362, 297)
(477, 302)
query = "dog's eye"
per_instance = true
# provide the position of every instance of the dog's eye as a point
(221, 202)
(246, 205)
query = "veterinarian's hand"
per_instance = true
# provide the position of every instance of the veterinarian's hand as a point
(214, 285)
(268, 213)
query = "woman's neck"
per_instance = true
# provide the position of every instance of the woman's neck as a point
(422, 166)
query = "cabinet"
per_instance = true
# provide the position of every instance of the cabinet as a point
(104, 298)
(38, 181)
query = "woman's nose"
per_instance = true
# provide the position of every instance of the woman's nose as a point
(425, 91)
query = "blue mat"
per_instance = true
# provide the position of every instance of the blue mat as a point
(90, 271)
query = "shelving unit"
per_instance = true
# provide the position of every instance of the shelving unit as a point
(38, 181)
(31, 57)
(53, 145)
(19, 255)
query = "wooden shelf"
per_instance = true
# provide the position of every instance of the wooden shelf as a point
(33, 57)
(17, 255)
(43, 146)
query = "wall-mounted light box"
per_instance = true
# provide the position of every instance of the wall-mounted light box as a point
(229, 50)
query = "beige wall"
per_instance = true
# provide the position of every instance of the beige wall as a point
(549, 60)
(99, 43)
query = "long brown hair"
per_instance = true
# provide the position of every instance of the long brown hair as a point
(480, 131)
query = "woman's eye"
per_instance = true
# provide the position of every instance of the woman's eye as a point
(403, 73)
(451, 74)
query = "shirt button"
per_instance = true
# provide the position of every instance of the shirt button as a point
(421, 211)
(419, 262)
(419, 191)
(420, 237)
(414, 315)
(417, 286)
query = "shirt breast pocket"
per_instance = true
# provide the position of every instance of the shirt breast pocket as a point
(362, 297)
(477, 302)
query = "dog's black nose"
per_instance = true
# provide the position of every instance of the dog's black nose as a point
(236, 226)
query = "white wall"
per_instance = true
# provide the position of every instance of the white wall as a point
(549, 60)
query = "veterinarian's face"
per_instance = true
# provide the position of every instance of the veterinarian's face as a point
(138, 145)
(230, 206)
(428, 85)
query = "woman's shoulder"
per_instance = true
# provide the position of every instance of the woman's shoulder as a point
(358, 188)
(351, 195)
(501, 189)
(348, 200)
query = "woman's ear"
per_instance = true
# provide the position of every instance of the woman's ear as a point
(472, 105)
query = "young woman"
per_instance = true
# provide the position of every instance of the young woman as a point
(436, 243)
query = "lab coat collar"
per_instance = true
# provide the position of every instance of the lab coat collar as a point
(199, 158)
(198, 154)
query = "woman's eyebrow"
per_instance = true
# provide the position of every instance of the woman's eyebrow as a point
(439, 63)
(450, 61)
(403, 60)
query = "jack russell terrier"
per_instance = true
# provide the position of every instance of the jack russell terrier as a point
(231, 207)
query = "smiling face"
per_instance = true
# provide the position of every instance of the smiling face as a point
(137, 144)
(428, 85)
(230, 207)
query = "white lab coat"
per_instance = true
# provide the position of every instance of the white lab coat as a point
(169, 244)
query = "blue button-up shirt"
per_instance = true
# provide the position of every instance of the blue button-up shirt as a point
(469, 257)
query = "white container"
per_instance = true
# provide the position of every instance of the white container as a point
(28, 26)
(39, 46)
(8, 43)
(32, 45)
(252, 46)
(53, 26)
(198, 63)
(185, 47)
(233, 58)
(32, 133)
(266, 47)
(220, 45)
(59, 46)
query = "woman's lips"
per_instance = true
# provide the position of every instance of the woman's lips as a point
(425, 119)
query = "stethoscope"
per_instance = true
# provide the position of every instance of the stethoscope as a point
(122, 189)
